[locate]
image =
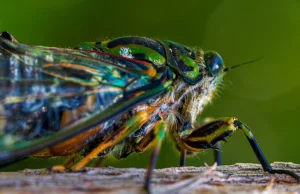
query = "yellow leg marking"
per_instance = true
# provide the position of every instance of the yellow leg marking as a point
(67, 164)
(131, 125)
(160, 130)
(58, 168)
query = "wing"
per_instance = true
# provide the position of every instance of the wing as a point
(38, 84)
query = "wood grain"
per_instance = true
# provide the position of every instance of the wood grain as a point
(237, 178)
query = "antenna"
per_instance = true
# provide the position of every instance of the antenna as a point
(238, 65)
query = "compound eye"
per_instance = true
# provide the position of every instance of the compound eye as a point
(214, 62)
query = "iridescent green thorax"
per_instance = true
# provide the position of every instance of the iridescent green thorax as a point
(130, 47)
(185, 62)
(182, 61)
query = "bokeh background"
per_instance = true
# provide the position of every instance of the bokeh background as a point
(264, 94)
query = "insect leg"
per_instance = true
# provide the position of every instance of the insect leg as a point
(146, 142)
(98, 162)
(209, 134)
(217, 154)
(258, 152)
(182, 157)
(187, 130)
(131, 125)
(67, 164)
(159, 130)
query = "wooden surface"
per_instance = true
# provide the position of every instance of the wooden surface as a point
(238, 178)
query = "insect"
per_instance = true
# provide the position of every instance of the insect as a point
(117, 96)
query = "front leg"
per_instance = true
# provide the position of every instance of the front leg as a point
(258, 152)
(209, 134)
(217, 155)
(186, 129)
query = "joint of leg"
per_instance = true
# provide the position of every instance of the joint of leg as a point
(238, 124)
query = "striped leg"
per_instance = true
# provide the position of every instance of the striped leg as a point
(217, 147)
(159, 130)
(209, 134)
(258, 152)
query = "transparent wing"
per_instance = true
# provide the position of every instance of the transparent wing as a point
(39, 84)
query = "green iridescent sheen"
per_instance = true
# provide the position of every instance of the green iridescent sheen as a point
(193, 74)
(132, 49)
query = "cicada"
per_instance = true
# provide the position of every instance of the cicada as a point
(118, 96)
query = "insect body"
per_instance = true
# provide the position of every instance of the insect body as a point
(118, 96)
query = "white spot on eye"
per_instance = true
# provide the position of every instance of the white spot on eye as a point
(126, 52)
(215, 67)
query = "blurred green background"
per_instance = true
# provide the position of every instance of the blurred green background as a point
(264, 94)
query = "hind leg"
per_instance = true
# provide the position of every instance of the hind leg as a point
(209, 134)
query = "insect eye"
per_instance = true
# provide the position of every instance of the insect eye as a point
(214, 62)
